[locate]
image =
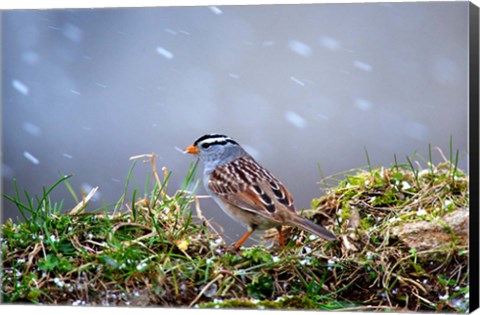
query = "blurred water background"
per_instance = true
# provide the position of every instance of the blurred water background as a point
(298, 85)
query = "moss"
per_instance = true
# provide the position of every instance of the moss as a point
(285, 302)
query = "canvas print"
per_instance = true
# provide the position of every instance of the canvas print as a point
(304, 156)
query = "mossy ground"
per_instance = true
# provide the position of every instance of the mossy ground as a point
(161, 251)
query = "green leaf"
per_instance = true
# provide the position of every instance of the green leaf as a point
(261, 288)
(258, 255)
(48, 263)
(66, 248)
(397, 176)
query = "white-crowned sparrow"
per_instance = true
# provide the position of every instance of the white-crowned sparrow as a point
(246, 191)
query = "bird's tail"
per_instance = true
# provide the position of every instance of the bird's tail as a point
(311, 227)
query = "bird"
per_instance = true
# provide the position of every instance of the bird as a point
(247, 191)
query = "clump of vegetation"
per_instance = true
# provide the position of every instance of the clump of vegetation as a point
(162, 251)
(387, 262)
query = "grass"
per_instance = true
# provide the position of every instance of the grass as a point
(158, 249)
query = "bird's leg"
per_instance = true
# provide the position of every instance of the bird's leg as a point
(243, 239)
(280, 236)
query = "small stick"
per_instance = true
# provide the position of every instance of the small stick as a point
(205, 288)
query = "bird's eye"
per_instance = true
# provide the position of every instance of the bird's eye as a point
(206, 145)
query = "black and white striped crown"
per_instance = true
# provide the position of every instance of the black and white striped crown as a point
(213, 139)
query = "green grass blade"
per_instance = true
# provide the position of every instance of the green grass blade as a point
(21, 207)
(368, 160)
(72, 191)
(414, 170)
(125, 187)
(430, 160)
(134, 208)
(396, 162)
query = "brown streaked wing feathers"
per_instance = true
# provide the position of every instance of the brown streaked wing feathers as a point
(233, 189)
(282, 195)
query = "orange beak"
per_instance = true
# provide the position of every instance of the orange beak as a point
(192, 150)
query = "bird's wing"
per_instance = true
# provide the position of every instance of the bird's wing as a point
(250, 187)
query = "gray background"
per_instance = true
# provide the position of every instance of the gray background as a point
(297, 85)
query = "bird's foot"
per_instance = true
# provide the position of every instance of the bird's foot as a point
(233, 249)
